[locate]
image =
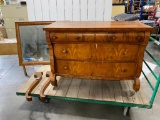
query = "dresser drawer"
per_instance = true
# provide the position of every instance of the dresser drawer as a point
(65, 37)
(95, 68)
(73, 51)
(97, 52)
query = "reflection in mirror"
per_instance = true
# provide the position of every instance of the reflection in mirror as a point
(33, 43)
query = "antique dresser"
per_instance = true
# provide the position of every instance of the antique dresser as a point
(98, 50)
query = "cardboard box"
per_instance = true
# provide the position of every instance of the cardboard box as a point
(8, 47)
(3, 31)
(10, 22)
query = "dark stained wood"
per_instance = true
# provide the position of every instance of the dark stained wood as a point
(97, 50)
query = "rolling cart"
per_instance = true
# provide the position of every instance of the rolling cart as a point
(93, 91)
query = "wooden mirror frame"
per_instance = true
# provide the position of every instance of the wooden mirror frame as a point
(19, 47)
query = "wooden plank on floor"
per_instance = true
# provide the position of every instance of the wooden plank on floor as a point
(117, 91)
(107, 91)
(63, 88)
(26, 85)
(143, 97)
(84, 89)
(126, 94)
(95, 90)
(74, 88)
(52, 91)
(135, 95)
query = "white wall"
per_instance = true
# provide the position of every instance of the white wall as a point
(73, 10)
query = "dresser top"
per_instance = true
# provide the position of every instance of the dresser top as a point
(90, 25)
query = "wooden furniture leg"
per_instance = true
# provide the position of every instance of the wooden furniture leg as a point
(51, 80)
(38, 76)
(24, 70)
(136, 85)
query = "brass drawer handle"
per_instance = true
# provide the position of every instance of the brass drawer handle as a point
(124, 70)
(77, 37)
(140, 39)
(113, 37)
(64, 51)
(55, 37)
(66, 67)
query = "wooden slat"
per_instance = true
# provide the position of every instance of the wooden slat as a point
(107, 91)
(47, 89)
(30, 9)
(143, 97)
(76, 10)
(74, 88)
(38, 10)
(68, 10)
(60, 9)
(136, 96)
(107, 10)
(126, 94)
(45, 10)
(95, 90)
(84, 89)
(84, 10)
(53, 10)
(91, 10)
(99, 10)
(63, 88)
(52, 91)
(30, 81)
(117, 91)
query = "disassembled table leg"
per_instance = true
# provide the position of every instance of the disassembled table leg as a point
(38, 76)
(136, 85)
(52, 80)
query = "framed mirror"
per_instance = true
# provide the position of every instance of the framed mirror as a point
(31, 44)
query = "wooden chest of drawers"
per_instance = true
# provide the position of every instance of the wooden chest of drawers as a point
(97, 50)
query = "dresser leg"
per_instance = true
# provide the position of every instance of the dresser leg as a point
(52, 78)
(46, 84)
(136, 85)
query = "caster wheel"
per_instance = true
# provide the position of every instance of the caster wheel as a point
(47, 100)
(126, 111)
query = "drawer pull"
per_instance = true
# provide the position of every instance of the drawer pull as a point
(140, 39)
(114, 37)
(64, 51)
(124, 70)
(77, 37)
(55, 37)
(66, 67)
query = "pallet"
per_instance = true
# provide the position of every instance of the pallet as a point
(95, 91)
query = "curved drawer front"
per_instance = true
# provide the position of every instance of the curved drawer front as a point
(64, 37)
(72, 51)
(95, 68)
(128, 37)
(97, 52)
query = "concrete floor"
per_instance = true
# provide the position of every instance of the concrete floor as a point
(14, 107)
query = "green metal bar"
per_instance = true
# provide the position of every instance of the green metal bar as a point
(148, 81)
(155, 41)
(155, 60)
(93, 101)
(155, 91)
(150, 70)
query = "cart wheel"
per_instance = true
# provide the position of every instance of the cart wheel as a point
(126, 111)
(47, 100)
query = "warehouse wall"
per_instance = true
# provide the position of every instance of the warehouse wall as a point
(73, 10)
